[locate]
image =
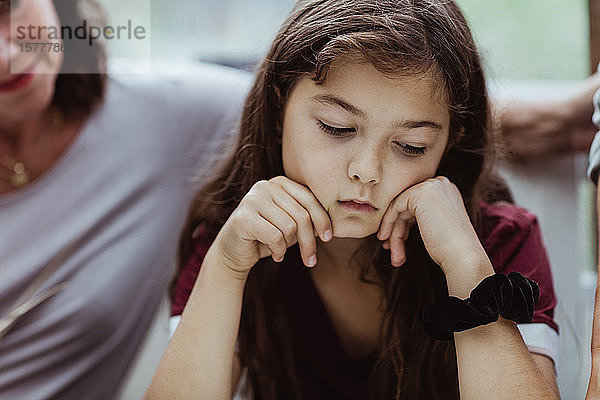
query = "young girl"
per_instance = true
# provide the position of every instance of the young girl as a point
(354, 198)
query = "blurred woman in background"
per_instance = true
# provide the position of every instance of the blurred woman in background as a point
(95, 174)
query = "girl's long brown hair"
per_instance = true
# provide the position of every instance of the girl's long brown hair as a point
(399, 38)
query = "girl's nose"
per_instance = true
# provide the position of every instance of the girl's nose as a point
(365, 167)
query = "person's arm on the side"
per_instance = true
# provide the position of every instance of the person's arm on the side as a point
(593, 391)
(538, 128)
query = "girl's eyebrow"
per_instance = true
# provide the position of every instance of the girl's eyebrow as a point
(330, 100)
(410, 124)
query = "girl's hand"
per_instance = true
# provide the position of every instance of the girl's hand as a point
(271, 217)
(437, 207)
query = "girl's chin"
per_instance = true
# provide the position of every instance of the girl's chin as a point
(355, 231)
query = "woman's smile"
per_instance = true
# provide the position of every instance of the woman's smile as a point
(17, 81)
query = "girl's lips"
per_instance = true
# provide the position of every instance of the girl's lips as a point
(357, 207)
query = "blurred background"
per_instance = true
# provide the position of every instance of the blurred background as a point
(519, 39)
(531, 49)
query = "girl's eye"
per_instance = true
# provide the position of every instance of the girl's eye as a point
(333, 131)
(409, 150)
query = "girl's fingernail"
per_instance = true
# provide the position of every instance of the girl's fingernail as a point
(312, 261)
(327, 235)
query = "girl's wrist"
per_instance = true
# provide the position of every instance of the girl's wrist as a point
(463, 278)
(220, 265)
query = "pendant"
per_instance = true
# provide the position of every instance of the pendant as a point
(20, 176)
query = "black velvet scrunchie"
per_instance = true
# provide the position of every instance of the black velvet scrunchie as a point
(512, 296)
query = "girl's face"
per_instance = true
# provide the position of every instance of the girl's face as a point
(27, 77)
(365, 137)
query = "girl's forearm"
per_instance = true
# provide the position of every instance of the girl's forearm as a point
(198, 362)
(493, 361)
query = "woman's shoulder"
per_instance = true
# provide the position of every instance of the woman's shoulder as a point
(184, 113)
(185, 85)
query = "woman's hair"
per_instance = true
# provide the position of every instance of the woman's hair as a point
(81, 83)
(399, 38)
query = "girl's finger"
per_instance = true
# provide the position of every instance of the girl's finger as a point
(396, 241)
(306, 237)
(397, 209)
(304, 229)
(307, 200)
(409, 226)
(270, 236)
(278, 217)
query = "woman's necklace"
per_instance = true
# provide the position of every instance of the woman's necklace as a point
(15, 172)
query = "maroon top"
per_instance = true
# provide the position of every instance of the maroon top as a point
(511, 238)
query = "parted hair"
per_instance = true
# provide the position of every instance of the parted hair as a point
(399, 38)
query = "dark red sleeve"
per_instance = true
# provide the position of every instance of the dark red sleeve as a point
(188, 276)
(513, 242)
